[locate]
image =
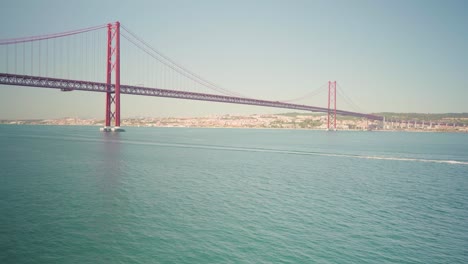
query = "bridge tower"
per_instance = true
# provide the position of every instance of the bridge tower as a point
(113, 90)
(331, 105)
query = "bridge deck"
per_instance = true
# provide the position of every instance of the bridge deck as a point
(68, 85)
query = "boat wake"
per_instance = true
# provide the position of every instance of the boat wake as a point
(250, 149)
(295, 152)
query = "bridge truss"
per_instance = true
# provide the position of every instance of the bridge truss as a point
(69, 85)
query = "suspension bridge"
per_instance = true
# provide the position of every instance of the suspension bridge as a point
(75, 60)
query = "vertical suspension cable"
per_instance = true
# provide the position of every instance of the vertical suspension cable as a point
(123, 69)
(61, 59)
(53, 62)
(7, 62)
(99, 49)
(164, 76)
(74, 58)
(47, 58)
(79, 59)
(56, 48)
(81, 54)
(39, 44)
(157, 74)
(94, 57)
(98, 58)
(169, 79)
(32, 57)
(147, 71)
(24, 58)
(177, 81)
(182, 83)
(15, 59)
(86, 56)
(142, 72)
(68, 57)
(139, 72)
(153, 66)
(173, 79)
(59, 55)
(72, 53)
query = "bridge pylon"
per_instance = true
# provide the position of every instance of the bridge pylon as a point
(331, 106)
(113, 90)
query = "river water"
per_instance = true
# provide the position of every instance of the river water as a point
(185, 195)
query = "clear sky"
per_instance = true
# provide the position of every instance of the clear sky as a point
(398, 56)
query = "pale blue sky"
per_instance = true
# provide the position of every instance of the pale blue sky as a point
(399, 56)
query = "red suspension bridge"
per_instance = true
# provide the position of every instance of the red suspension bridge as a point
(74, 61)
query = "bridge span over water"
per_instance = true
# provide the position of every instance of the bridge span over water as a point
(70, 61)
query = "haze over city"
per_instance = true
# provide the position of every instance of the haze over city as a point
(398, 56)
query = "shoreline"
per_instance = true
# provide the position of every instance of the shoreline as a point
(258, 128)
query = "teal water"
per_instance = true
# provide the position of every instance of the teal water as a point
(183, 195)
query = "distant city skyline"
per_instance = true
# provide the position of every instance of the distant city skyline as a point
(388, 56)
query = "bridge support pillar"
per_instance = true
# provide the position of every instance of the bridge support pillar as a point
(331, 106)
(113, 90)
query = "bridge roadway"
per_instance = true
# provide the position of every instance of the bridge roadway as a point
(72, 85)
